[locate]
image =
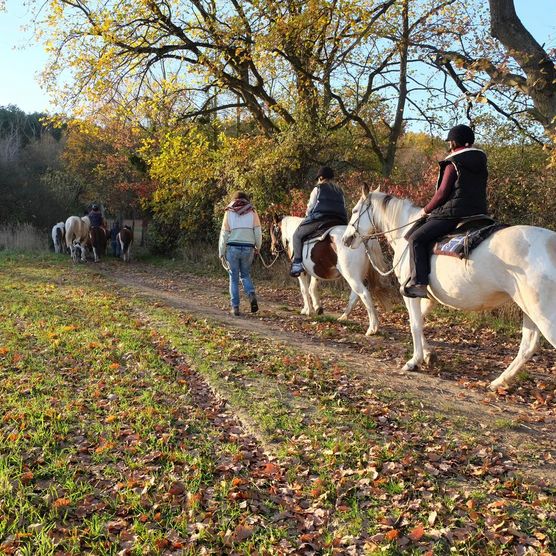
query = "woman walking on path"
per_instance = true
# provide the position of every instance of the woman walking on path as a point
(240, 239)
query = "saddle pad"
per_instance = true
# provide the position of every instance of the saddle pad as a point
(461, 245)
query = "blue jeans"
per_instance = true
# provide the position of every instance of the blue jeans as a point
(240, 260)
(116, 248)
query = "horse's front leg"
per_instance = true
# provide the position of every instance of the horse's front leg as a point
(315, 295)
(361, 290)
(429, 355)
(83, 255)
(416, 325)
(304, 287)
(352, 301)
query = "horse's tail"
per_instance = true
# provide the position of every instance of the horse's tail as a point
(382, 288)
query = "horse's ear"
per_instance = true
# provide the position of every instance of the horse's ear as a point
(377, 190)
(365, 189)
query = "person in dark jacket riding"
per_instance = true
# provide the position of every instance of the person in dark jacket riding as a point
(95, 217)
(325, 203)
(461, 191)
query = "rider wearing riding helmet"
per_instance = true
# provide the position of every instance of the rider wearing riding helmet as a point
(460, 192)
(326, 203)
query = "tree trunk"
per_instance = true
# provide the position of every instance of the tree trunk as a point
(397, 126)
(532, 58)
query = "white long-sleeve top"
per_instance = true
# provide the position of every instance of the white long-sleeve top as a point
(244, 229)
(311, 203)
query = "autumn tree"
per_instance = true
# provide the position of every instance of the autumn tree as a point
(495, 61)
(103, 157)
(320, 65)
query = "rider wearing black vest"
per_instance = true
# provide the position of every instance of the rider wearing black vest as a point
(95, 217)
(460, 192)
(469, 192)
(326, 204)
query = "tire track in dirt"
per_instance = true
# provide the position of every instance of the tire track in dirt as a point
(531, 442)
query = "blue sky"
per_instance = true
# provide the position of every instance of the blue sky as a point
(21, 59)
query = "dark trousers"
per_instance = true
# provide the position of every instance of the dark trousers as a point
(306, 228)
(420, 243)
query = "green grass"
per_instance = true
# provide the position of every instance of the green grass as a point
(111, 438)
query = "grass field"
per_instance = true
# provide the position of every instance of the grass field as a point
(130, 427)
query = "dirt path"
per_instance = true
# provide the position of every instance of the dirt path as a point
(521, 423)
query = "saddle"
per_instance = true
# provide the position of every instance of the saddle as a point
(469, 234)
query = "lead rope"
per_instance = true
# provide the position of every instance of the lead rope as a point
(272, 263)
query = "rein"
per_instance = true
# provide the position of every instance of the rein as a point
(388, 272)
(376, 235)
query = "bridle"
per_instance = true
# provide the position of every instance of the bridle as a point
(277, 243)
(375, 235)
(365, 238)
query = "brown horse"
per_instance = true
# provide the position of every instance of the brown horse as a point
(97, 236)
(125, 239)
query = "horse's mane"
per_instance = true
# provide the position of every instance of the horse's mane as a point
(389, 208)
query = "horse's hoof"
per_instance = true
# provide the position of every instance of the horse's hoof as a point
(495, 384)
(320, 310)
(343, 318)
(371, 331)
(409, 366)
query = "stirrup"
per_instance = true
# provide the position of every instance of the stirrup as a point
(415, 290)
(297, 269)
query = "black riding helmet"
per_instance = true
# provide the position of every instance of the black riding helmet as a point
(325, 172)
(94, 207)
(462, 135)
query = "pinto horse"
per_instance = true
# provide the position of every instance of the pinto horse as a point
(125, 239)
(329, 259)
(77, 234)
(58, 237)
(97, 237)
(518, 263)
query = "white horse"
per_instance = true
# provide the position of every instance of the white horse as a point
(518, 263)
(58, 236)
(329, 259)
(77, 235)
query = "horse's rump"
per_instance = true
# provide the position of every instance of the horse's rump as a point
(97, 236)
(77, 229)
(126, 238)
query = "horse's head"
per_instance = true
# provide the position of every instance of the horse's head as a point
(276, 245)
(361, 222)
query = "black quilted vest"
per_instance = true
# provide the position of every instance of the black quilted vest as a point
(330, 203)
(469, 193)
